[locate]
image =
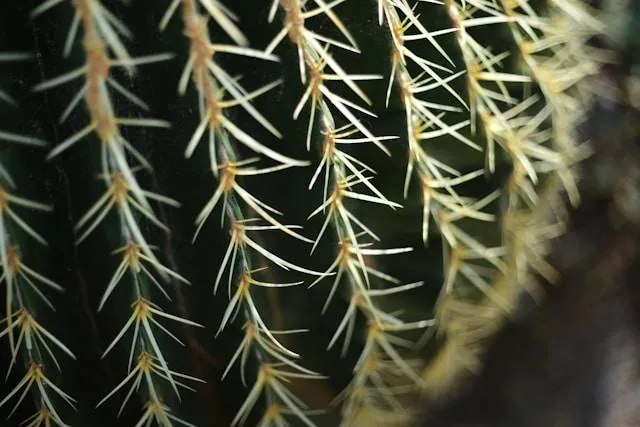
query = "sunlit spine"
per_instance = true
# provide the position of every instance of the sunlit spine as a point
(218, 92)
(101, 32)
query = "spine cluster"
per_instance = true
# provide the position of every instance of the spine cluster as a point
(30, 342)
(335, 122)
(243, 214)
(139, 267)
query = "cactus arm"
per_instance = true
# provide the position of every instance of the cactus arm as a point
(506, 121)
(217, 93)
(125, 197)
(541, 148)
(346, 181)
(35, 345)
(464, 257)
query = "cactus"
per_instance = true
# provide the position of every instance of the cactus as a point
(279, 212)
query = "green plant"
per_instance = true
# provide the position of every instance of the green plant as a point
(426, 146)
(555, 364)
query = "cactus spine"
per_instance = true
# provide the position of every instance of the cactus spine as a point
(505, 82)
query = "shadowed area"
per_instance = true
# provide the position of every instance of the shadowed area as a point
(575, 360)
